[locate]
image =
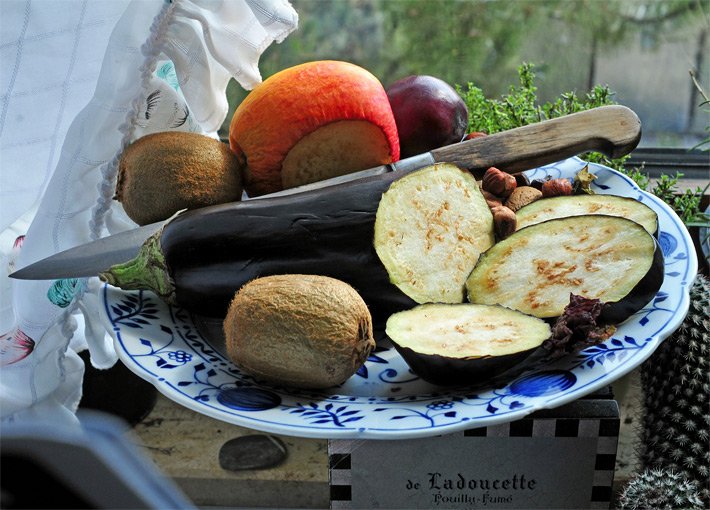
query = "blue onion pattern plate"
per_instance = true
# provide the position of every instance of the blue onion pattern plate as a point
(183, 356)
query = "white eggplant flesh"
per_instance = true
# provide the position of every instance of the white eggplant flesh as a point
(430, 229)
(461, 344)
(537, 268)
(579, 205)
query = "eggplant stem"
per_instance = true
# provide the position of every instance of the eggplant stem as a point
(147, 271)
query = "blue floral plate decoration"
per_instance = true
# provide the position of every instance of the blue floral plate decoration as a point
(183, 356)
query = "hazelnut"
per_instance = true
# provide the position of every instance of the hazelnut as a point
(498, 182)
(522, 196)
(537, 183)
(521, 179)
(504, 221)
(556, 188)
(491, 199)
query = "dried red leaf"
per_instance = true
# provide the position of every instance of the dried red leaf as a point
(577, 327)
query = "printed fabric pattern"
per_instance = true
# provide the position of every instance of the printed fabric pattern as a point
(83, 80)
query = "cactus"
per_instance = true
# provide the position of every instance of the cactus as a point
(659, 488)
(676, 388)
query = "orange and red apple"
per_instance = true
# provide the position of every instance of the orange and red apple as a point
(310, 122)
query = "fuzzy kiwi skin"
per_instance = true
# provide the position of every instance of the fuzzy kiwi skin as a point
(303, 331)
(162, 173)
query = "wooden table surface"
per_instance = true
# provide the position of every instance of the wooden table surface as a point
(185, 446)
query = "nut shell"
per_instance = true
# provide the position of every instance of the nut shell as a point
(499, 183)
(522, 196)
(521, 179)
(557, 188)
(504, 221)
(491, 199)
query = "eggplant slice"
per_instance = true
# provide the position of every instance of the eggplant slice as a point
(601, 257)
(431, 227)
(459, 344)
(578, 205)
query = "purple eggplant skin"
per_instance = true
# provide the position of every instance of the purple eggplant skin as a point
(212, 252)
(643, 292)
(449, 371)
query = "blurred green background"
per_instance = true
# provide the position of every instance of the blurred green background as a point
(643, 50)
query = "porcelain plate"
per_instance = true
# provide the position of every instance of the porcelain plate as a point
(183, 357)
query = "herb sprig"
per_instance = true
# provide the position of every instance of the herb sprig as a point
(520, 107)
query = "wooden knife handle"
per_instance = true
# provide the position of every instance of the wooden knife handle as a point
(612, 130)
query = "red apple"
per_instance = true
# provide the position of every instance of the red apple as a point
(310, 122)
(429, 113)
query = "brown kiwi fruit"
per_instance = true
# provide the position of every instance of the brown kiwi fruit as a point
(303, 331)
(162, 173)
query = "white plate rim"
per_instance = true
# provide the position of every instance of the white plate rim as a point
(253, 420)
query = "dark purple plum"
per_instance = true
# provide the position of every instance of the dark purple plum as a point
(429, 113)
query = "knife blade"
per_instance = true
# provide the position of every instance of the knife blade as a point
(83, 260)
(614, 130)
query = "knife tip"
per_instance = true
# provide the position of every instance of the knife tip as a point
(21, 274)
(30, 272)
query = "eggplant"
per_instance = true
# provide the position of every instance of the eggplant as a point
(464, 344)
(577, 205)
(431, 227)
(203, 256)
(537, 268)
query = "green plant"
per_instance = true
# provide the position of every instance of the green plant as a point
(520, 106)
(705, 105)
(685, 204)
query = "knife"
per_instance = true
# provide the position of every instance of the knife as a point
(614, 130)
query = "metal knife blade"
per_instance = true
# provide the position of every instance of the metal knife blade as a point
(91, 258)
(614, 130)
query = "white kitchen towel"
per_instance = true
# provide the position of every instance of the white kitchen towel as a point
(81, 79)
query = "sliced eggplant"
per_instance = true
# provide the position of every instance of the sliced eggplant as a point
(431, 226)
(537, 268)
(577, 205)
(203, 256)
(460, 344)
